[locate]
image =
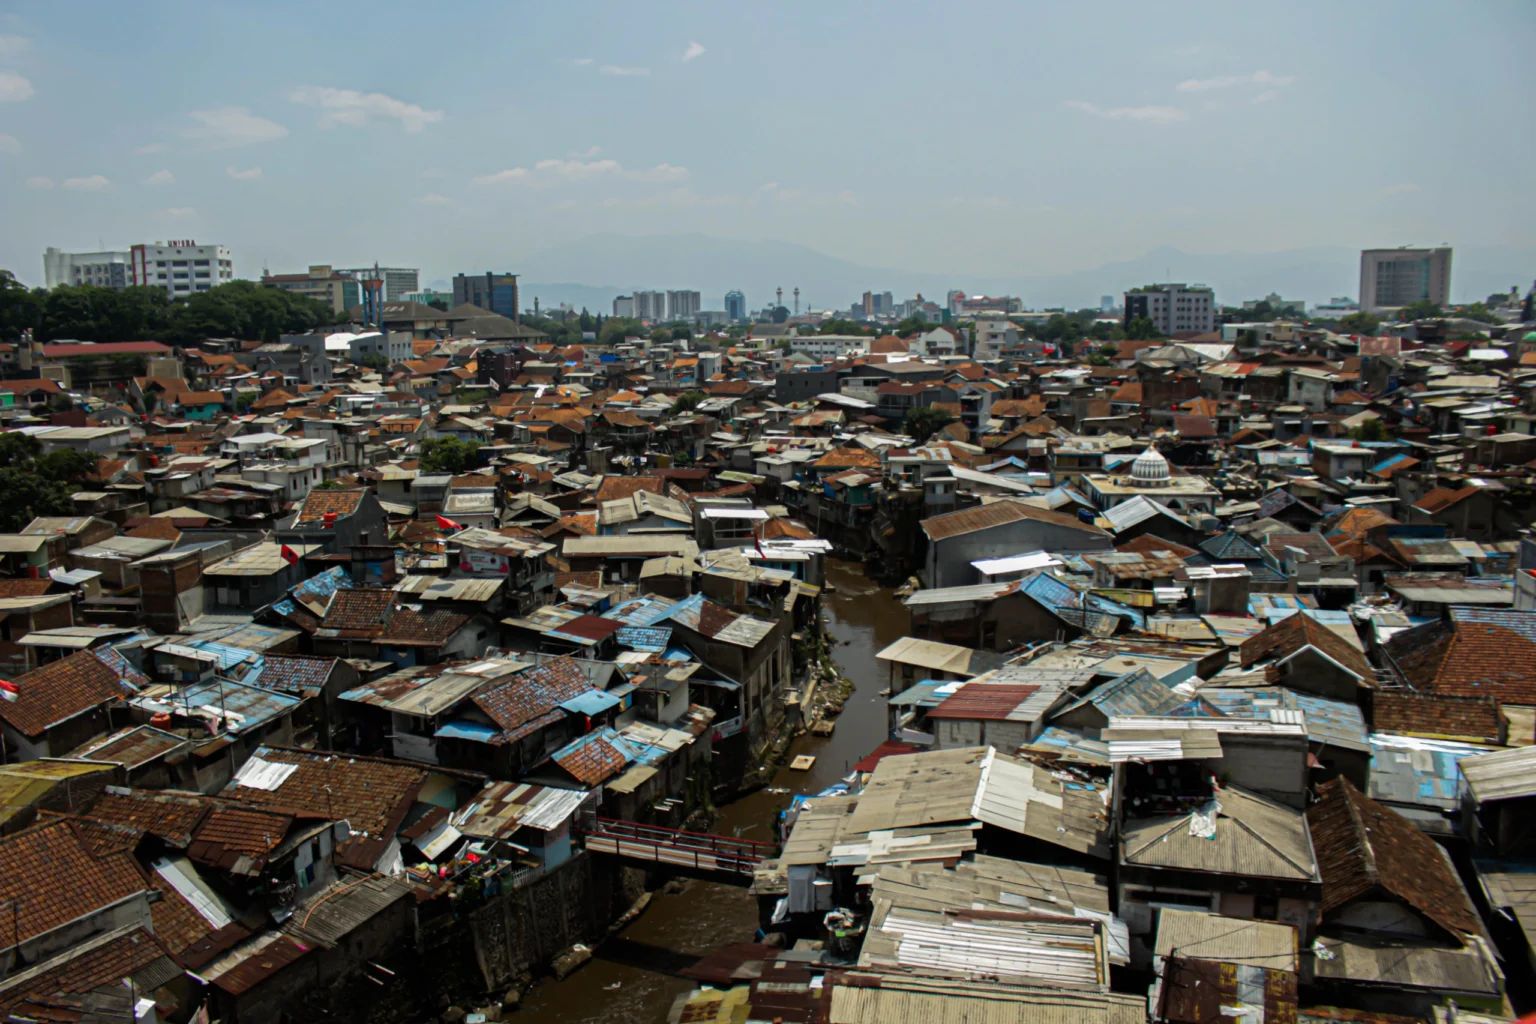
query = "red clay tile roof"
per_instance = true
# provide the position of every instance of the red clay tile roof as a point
(1364, 849)
(849, 457)
(169, 817)
(531, 699)
(422, 629)
(998, 513)
(1469, 659)
(370, 794)
(1437, 716)
(59, 993)
(50, 877)
(238, 840)
(24, 588)
(1149, 543)
(321, 503)
(295, 673)
(363, 610)
(61, 690)
(1300, 630)
(592, 763)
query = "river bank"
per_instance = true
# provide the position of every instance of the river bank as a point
(631, 978)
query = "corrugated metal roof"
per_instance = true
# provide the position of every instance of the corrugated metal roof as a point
(1501, 774)
(1202, 936)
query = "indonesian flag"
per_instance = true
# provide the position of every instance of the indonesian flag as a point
(9, 690)
(289, 555)
(444, 523)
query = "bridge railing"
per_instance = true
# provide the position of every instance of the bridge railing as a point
(702, 851)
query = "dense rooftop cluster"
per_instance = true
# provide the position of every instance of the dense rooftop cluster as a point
(1216, 694)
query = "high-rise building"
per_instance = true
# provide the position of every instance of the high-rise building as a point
(182, 268)
(102, 269)
(1173, 308)
(650, 305)
(682, 305)
(1106, 303)
(398, 281)
(624, 305)
(495, 292)
(735, 305)
(338, 289)
(1390, 278)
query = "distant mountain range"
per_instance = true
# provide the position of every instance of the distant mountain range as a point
(565, 272)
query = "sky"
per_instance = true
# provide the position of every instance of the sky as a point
(989, 138)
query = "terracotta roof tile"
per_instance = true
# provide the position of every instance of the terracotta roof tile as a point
(1438, 716)
(61, 690)
(1294, 632)
(238, 840)
(370, 794)
(169, 817)
(319, 504)
(1363, 847)
(50, 878)
(59, 994)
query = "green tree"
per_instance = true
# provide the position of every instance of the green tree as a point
(1371, 430)
(687, 402)
(447, 455)
(912, 326)
(616, 328)
(1480, 312)
(1360, 323)
(836, 326)
(921, 424)
(21, 309)
(373, 360)
(1421, 310)
(1141, 329)
(35, 484)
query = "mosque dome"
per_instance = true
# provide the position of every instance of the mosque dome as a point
(1150, 469)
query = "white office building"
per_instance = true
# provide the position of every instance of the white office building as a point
(651, 305)
(1173, 308)
(624, 305)
(682, 305)
(182, 268)
(108, 269)
(1391, 278)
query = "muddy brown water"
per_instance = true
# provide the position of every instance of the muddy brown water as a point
(632, 979)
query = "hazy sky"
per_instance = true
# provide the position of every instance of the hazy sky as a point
(988, 138)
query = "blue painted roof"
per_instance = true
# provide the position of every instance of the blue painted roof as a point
(593, 702)
(477, 732)
(642, 612)
(255, 705)
(228, 656)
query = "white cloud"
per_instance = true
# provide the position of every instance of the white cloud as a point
(227, 127)
(9, 144)
(179, 212)
(552, 172)
(582, 62)
(1151, 114)
(14, 88)
(248, 174)
(12, 46)
(1259, 79)
(695, 50)
(161, 177)
(433, 199)
(38, 181)
(1267, 96)
(148, 148)
(86, 183)
(348, 106)
(619, 71)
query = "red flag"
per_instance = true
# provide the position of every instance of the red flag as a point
(9, 690)
(289, 555)
(444, 523)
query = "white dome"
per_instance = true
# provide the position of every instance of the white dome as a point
(1150, 468)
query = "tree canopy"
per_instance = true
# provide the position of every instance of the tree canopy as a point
(37, 484)
(1360, 323)
(1421, 310)
(447, 455)
(239, 309)
(921, 424)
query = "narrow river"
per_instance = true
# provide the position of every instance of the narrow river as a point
(630, 980)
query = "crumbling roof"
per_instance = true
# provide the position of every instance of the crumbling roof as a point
(1364, 848)
(319, 504)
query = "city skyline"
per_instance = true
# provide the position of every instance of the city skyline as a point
(236, 130)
